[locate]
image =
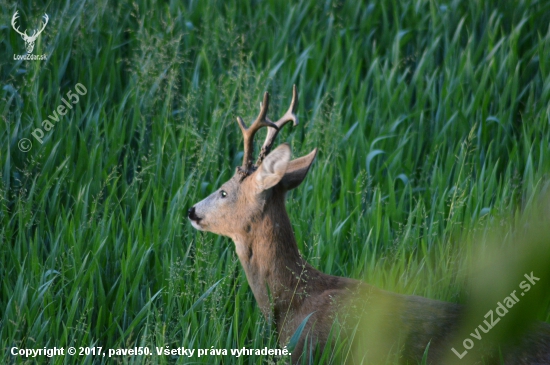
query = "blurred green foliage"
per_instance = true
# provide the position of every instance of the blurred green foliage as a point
(431, 118)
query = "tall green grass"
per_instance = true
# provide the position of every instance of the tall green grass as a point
(431, 119)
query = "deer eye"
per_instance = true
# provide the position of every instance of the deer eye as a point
(223, 193)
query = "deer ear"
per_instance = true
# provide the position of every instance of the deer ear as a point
(297, 170)
(273, 167)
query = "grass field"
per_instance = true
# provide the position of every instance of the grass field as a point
(431, 119)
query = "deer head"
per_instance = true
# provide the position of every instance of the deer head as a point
(231, 210)
(29, 40)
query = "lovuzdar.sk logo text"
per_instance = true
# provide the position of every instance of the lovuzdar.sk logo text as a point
(29, 40)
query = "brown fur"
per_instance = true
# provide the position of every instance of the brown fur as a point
(251, 211)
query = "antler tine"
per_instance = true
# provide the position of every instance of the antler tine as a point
(248, 134)
(46, 19)
(289, 116)
(45, 22)
(13, 19)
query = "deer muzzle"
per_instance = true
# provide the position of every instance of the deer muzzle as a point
(194, 218)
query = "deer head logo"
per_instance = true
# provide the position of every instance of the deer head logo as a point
(29, 40)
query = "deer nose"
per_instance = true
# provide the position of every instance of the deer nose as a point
(191, 214)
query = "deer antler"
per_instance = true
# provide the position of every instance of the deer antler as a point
(13, 19)
(35, 34)
(248, 134)
(272, 132)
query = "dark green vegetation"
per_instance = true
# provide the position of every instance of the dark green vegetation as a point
(431, 118)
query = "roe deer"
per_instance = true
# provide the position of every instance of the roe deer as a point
(250, 209)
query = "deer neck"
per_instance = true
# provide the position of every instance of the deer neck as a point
(271, 260)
